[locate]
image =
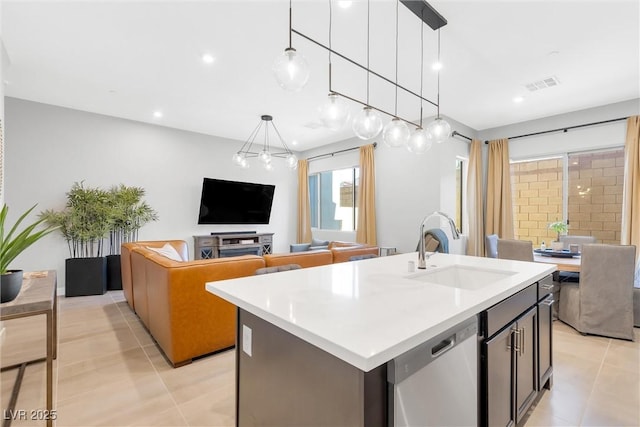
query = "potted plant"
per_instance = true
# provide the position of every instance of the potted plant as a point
(559, 227)
(128, 212)
(12, 245)
(84, 224)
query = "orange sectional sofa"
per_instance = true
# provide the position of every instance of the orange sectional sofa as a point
(170, 297)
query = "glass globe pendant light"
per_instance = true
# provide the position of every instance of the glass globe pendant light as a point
(418, 141)
(265, 155)
(291, 69)
(396, 133)
(334, 113)
(439, 130)
(367, 124)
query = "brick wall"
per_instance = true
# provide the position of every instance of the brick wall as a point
(595, 196)
(537, 199)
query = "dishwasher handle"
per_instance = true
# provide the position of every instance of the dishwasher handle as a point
(443, 346)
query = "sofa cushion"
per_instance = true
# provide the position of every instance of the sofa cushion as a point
(303, 259)
(168, 251)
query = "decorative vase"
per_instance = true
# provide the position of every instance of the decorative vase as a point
(10, 284)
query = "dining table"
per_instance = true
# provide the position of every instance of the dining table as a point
(563, 263)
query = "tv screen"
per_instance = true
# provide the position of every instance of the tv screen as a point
(233, 202)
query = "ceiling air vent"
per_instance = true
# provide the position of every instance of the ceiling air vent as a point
(542, 84)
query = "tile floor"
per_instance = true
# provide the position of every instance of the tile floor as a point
(109, 372)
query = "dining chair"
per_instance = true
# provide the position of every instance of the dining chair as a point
(519, 250)
(491, 245)
(577, 240)
(602, 302)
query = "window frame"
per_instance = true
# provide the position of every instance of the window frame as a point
(355, 176)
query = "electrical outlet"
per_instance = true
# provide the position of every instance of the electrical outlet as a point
(246, 339)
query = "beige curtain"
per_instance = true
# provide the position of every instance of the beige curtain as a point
(366, 225)
(475, 210)
(631, 193)
(304, 210)
(499, 218)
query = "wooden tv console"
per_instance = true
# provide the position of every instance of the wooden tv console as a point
(220, 245)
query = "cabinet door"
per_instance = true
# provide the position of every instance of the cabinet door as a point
(499, 380)
(545, 360)
(525, 342)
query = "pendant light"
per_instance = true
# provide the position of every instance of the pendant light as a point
(396, 132)
(439, 130)
(419, 141)
(265, 155)
(334, 113)
(367, 124)
(291, 69)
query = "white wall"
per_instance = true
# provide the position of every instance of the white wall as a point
(408, 186)
(49, 148)
(581, 139)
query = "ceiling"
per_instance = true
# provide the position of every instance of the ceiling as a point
(131, 58)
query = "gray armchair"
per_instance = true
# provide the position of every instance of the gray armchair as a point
(602, 302)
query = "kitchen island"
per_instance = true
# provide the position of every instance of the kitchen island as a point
(313, 345)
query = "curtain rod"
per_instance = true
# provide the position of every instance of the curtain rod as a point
(565, 129)
(375, 144)
(456, 133)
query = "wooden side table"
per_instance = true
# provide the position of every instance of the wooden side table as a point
(37, 296)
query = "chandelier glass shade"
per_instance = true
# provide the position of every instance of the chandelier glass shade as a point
(291, 70)
(334, 113)
(438, 130)
(396, 133)
(265, 155)
(419, 142)
(367, 124)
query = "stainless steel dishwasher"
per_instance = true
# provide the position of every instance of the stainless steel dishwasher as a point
(436, 383)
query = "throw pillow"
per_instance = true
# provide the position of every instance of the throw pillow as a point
(317, 242)
(168, 251)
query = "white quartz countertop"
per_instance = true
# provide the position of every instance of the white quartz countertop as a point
(368, 312)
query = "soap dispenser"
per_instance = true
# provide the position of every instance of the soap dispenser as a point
(543, 246)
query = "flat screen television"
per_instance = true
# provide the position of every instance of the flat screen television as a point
(234, 202)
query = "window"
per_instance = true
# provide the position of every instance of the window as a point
(585, 189)
(333, 199)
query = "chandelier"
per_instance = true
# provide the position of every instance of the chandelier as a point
(265, 155)
(292, 73)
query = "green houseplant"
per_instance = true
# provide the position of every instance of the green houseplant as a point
(84, 224)
(559, 227)
(128, 212)
(12, 244)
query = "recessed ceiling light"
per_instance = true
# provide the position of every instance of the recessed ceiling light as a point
(207, 58)
(518, 99)
(157, 114)
(294, 142)
(437, 66)
(344, 4)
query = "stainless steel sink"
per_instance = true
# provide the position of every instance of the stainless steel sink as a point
(461, 277)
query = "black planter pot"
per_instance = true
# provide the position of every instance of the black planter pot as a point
(85, 276)
(114, 277)
(10, 285)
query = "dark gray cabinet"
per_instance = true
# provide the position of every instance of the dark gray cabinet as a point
(515, 354)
